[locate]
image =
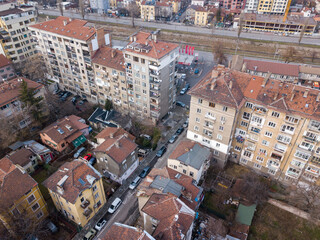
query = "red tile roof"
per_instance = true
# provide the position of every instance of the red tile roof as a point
(120, 231)
(109, 57)
(75, 28)
(182, 148)
(175, 218)
(81, 176)
(10, 90)
(4, 61)
(273, 67)
(21, 157)
(156, 49)
(14, 184)
(119, 146)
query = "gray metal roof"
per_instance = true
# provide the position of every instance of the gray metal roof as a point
(195, 157)
(167, 185)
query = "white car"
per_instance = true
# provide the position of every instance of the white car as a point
(114, 205)
(135, 183)
(78, 153)
(100, 224)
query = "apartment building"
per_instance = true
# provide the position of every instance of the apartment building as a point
(119, 231)
(251, 6)
(233, 4)
(77, 191)
(150, 70)
(67, 46)
(151, 10)
(6, 69)
(275, 129)
(201, 16)
(99, 6)
(109, 69)
(273, 7)
(17, 41)
(19, 194)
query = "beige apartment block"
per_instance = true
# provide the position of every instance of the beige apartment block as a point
(276, 125)
(67, 46)
(110, 78)
(273, 6)
(150, 70)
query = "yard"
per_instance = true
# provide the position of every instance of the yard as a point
(270, 222)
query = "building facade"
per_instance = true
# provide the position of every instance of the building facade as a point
(17, 41)
(99, 6)
(77, 191)
(67, 46)
(273, 7)
(6, 69)
(201, 17)
(150, 70)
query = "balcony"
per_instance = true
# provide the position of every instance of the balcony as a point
(260, 110)
(280, 148)
(85, 204)
(276, 156)
(154, 94)
(293, 174)
(87, 212)
(154, 66)
(154, 73)
(249, 146)
(210, 117)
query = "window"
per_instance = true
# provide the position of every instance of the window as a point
(195, 136)
(256, 165)
(302, 155)
(208, 124)
(237, 148)
(272, 124)
(243, 161)
(199, 100)
(191, 174)
(197, 119)
(287, 129)
(246, 116)
(174, 166)
(217, 144)
(219, 136)
(265, 143)
(256, 119)
(260, 159)
(198, 110)
(292, 119)
(307, 146)
(272, 172)
(247, 154)
(206, 141)
(244, 124)
(211, 104)
(94, 188)
(196, 128)
(221, 128)
(223, 119)
(184, 171)
(284, 139)
(35, 207)
(39, 214)
(96, 195)
(268, 134)
(249, 105)
(207, 132)
(31, 198)
(275, 114)
(215, 152)
(262, 151)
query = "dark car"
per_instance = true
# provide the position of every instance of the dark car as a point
(61, 93)
(161, 151)
(83, 101)
(145, 172)
(92, 161)
(180, 104)
(74, 99)
(180, 130)
(173, 138)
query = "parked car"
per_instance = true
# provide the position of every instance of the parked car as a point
(92, 161)
(83, 101)
(183, 91)
(100, 224)
(88, 156)
(75, 98)
(145, 172)
(146, 136)
(180, 104)
(187, 86)
(185, 124)
(173, 138)
(161, 151)
(180, 130)
(52, 227)
(90, 235)
(135, 183)
(142, 152)
(115, 205)
(78, 153)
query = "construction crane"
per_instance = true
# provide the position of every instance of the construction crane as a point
(287, 11)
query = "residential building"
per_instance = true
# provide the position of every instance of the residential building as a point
(119, 231)
(77, 191)
(275, 125)
(150, 69)
(198, 2)
(101, 119)
(233, 4)
(10, 104)
(6, 69)
(17, 42)
(67, 46)
(309, 73)
(99, 6)
(273, 7)
(25, 159)
(201, 17)
(116, 153)
(148, 11)
(166, 216)
(110, 78)
(65, 132)
(154, 10)
(272, 70)
(19, 195)
(275, 23)
(251, 6)
(190, 158)
(169, 181)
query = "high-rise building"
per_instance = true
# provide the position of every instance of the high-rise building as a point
(269, 125)
(251, 6)
(99, 6)
(273, 7)
(67, 46)
(16, 41)
(150, 70)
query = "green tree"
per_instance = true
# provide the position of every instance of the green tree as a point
(31, 103)
(218, 15)
(108, 105)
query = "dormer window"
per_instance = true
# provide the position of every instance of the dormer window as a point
(69, 128)
(60, 131)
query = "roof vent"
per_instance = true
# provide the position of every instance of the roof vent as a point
(65, 22)
(292, 96)
(307, 105)
(61, 183)
(306, 93)
(60, 131)
(213, 85)
(111, 135)
(230, 84)
(318, 97)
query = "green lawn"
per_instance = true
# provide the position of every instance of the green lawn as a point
(270, 222)
(40, 176)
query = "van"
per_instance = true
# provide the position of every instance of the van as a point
(142, 152)
(114, 205)
(135, 183)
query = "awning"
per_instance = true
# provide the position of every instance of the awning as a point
(77, 142)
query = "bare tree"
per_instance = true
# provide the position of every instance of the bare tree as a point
(82, 8)
(218, 52)
(134, 11)
(306, 197)
(239, 30)
(290, 54)
(60, 6)
(313, 55)
(303, 30)
(34, 68)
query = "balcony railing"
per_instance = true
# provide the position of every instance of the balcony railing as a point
(87, 212)
(85, 204)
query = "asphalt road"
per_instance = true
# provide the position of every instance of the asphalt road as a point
(180, 27)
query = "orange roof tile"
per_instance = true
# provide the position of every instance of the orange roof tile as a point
(75, 28)
(4, 61)
(109, 57)
(120, 231)
(21, 157)
(155, 49)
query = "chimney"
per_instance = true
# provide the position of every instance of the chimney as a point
(154, 37)
(113, 53)
(230, 84)
(47, 18)
(318, 97)
(214, 74)
(111, 135)
(126, 135)
(117, 144)
(65, 22)
(306, 93)
(292, 97)
(61, 183)
(275, 96)
(213, 85)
